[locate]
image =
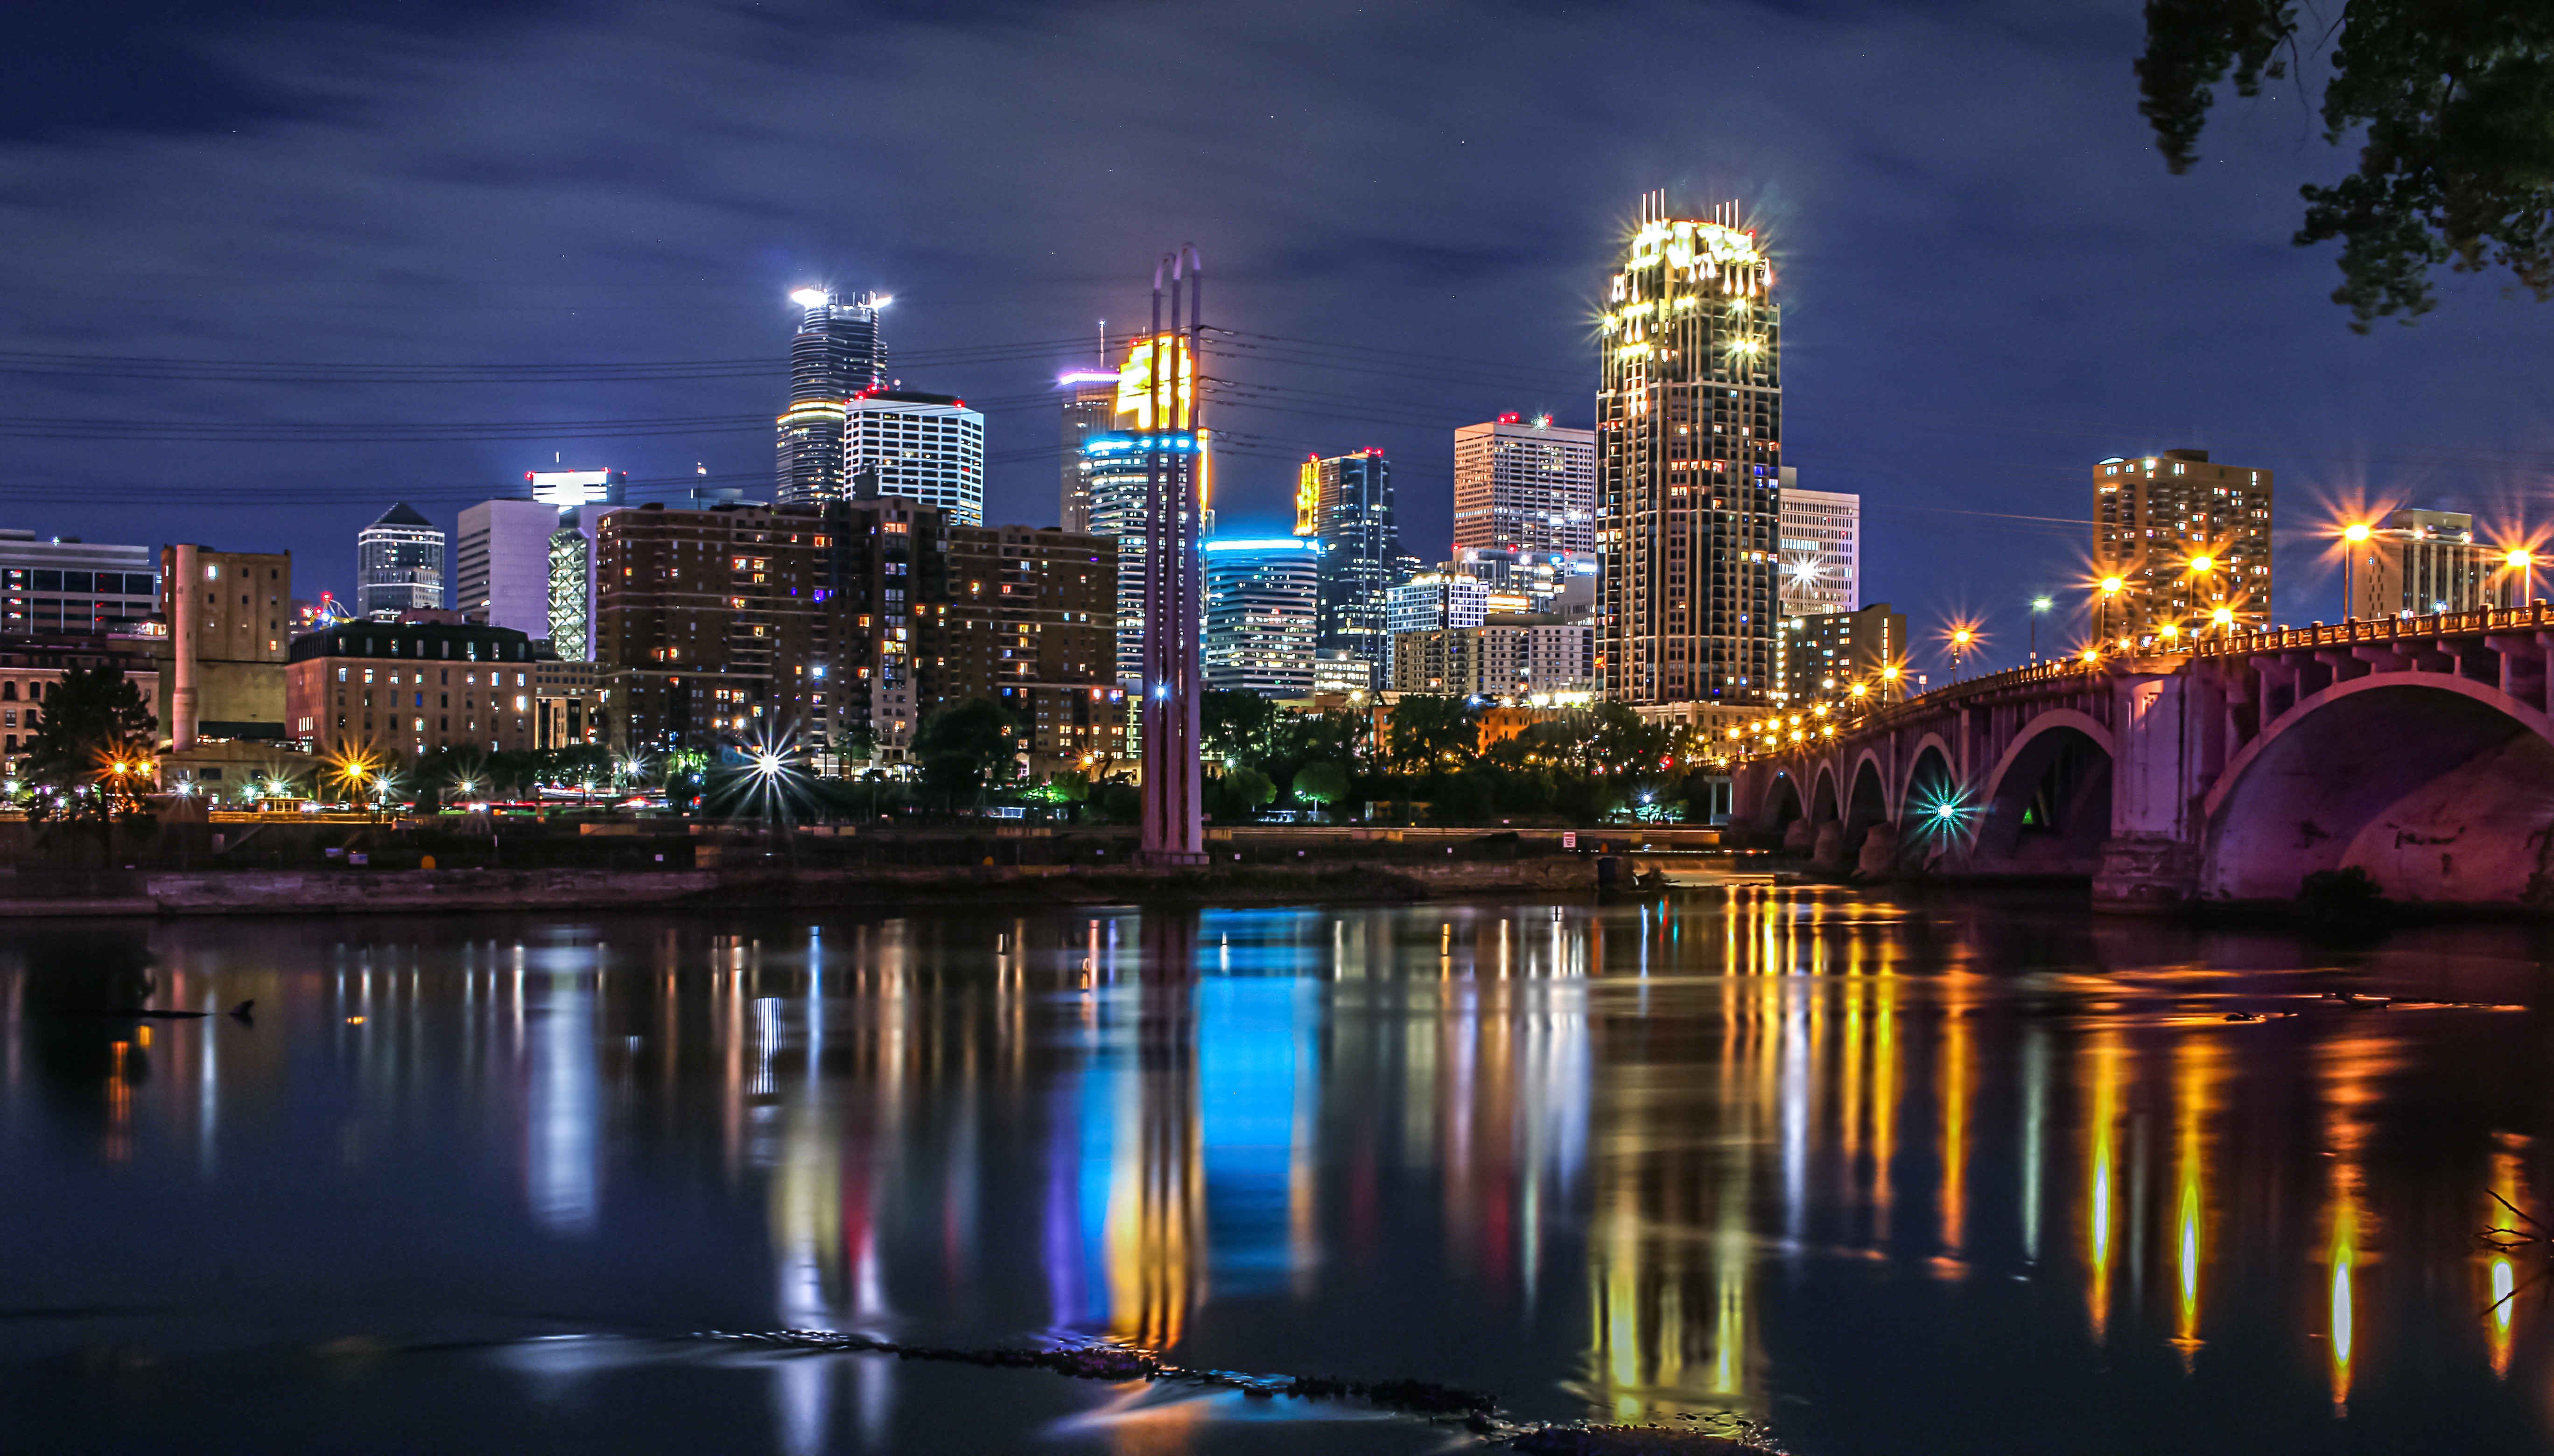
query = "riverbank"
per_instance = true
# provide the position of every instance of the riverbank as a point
(359, 890)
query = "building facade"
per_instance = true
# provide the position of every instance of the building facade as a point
(1262, 616)
(1344, 502)
(500, 565)
(32, 663)
(1090, 408)
(1526, 485)
(2183, 537)
(390, 692)
(1513, 659)
(64, 586)
(2422, 562)
(837, 352)
(1689, 431)
(399, 565)
(1822, 533)
(238, 622)
(1824, 654)
(835, 631)
(563, 704)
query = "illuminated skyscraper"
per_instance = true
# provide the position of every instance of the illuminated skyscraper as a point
(579, 497)
(1090, 408)
(837, 354)
(1689, 431)
(1524, 486)
(1262, 603)
(1345, 502)
(922, 447)
(399, 564)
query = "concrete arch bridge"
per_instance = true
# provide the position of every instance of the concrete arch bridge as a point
(2421, 749)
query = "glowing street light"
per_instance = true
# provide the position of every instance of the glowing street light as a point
(2223, 617)
(1960, 639)
(2353, 536)
(2520, 559)
(2039, 605)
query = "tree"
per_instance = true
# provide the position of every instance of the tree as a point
(1236, 726)
(92, 747)
(1321, 782)
(1432, 731)
(1244, 791)
(2457, 101)
(963, 746)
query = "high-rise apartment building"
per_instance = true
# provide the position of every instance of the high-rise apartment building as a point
(1688, 432)
(1090, 408)
(836, 631)
(500, 565)
(63, 585)
(838, 353)
(1822, 533)
(1345, 502)
(1509, 658)
(1825, 653)
(1526, 485)
(399, 565)
(2422, 562)
(1262, 615)
(928, 448)
(2183, 537)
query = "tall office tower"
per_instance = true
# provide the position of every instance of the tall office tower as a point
(1090, 408)
(399, 565)
(928, 448)
(1524, 485)
(1262, 615)
(1688, 433)
(2184, 538)
(579, 500)
(1821, 535)
(837, 354)
(2422, 562)
(1119, 476)
(1345, 502)
(500, 565)
(64, 585)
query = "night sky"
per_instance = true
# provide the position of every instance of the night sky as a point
(1988, 280)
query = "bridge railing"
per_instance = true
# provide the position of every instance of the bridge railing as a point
(2374, 630)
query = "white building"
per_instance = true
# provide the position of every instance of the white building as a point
(1822, 533)
(923, 447)
(1524, 485)
(1262, 615)
(1507, 659)
(500, 565)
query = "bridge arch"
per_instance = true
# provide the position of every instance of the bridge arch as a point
(1932, 786)
(1781, 800)
(1824, 806)
(2439, 786)
(2046, 804)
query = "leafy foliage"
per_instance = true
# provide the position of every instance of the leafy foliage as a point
(963, 746)
(92, 747)
(2456, 99)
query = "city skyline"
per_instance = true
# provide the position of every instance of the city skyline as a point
(1476, 286)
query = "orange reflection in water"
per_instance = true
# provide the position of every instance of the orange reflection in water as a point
(2105, 1088)
(2197, 1074)
(2350, 1068)
(2505, 1208)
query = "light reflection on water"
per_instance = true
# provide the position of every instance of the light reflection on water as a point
(1780, 1154)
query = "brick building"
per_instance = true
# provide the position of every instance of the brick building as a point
(398, 690)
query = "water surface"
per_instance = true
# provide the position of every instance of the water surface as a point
(1959, 1174)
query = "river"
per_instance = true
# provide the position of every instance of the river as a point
(1874, 1173)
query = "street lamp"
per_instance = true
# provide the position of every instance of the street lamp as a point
(2106, 613)
(2223, 617)
(2039, 605)
(2353, 536)
(1960, 639)
(2520, 559)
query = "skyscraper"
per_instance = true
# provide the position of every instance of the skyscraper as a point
(1821, 535)
(1262, 610)
(2183, 537)
(61, 584)
(1524, 486)
(837, 354)
(399, 564)
(1689, 430)
(501, 570)
(580, 499)
(1090, 408)
(1345, 502)
(2422, 562)
(920, 447)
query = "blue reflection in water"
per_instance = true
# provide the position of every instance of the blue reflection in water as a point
(562, 1174)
